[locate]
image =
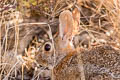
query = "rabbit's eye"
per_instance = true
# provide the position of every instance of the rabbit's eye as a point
(48, 47)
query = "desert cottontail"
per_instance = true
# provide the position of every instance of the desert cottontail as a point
(67, 63)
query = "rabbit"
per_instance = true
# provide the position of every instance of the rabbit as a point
(49, 54)
(67, 62)
(101, 63)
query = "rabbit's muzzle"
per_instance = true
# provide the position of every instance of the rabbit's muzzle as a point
(45, 59)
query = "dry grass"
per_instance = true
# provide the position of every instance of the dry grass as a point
(100, 18)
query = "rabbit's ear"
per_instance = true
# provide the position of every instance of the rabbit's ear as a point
(76, 21)
(65, 25)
